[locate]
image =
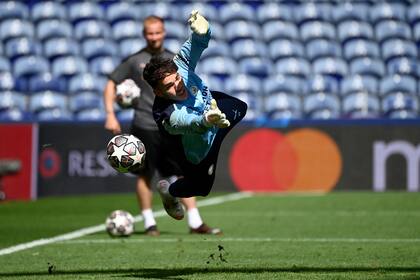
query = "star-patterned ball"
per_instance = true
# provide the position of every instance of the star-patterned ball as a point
(126, 153)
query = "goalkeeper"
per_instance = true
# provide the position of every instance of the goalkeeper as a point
(193, 119)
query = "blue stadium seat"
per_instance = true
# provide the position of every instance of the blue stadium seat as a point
(12, 99)
(216, 48)
(217, 31)
(361, 48)
(91, 29)
(413, 13)
(243, 83)
(404, 66)
(13, 28)
(48, 10)
(256, 66)
(384, 11)
(84, 100)
(350, 10)
(68, 66)
(22, 46)
(321, 106)
(317, 30)
(279, 30)
(392, 29)
(47, 100)
(367, 66)
(361, 105)
(176, 30)
(130, 46)
(393, 48)
(213, 82)
(398, 83)
(403, 114)
(30, 65)
(236, 11)
(416, 33)
(274, 12)
(57, 47)
(283, 105)
(207, 10)
(103, 65)
(13, 10)
(397, 101)
(283, 83)
(254, 105)
(125, 115)
(220, 66)
(165, 10)
(240, 29)
(90, 115)
(46, 82)
(5, 64)
(322, 83)
(322, 48)
(352, 29)
(7, 81)
(53, 28)
(358, 83)
(86, 82)
(125, 29)
(248, 48)
(174, 45)
(332, 66)
(54, 114)
(283, 48)
(95, 47)
(118, 11)
(293, 66)
(310, 11)
(14, 115)
(78, 11)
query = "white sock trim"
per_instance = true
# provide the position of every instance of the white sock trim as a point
(194, 219)
(149, 219)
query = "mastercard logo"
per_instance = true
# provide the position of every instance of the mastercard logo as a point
(302, 160)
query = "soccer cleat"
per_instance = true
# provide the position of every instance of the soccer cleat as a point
(152, 231)
(171, 204)
(205, 229)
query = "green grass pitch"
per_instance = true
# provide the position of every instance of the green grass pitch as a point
(352, 235)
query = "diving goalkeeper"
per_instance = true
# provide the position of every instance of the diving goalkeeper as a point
(193, 119)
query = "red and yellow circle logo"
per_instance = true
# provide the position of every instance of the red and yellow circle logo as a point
(302, 160)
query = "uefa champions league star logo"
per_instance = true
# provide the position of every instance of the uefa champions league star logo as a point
(194, 90)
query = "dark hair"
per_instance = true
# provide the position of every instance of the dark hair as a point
(157, 69)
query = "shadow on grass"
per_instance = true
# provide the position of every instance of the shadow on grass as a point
(169, 273)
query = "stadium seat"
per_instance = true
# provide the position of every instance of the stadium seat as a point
(283, 83)
(118, 11)
(321, 106)
(84, 100)
(403, 114)
(86, 82)
(404, 66)
(283, 48)
(361, 105)
(13, 28)
(12, 99)
(254, 104)
(213, 82)
(47, 100)
(207, 10)
(384, 11)
(367, 66)
(13, 10)
(90, 115)
(54, 114)
(216, 48)
(310, 11)
(78, 11)
(69, 66)
(274, 12)
(236, 11)
(130, 46)
(248, 48)
(103, 65)
(125, 29)
(243, 83)
(95, 47)
(220, 66)
(48, 10)
(332, 66)
(293, 66)
(91, 29)
(317, 30)
(174, 45)
(322, 48)
(352, 29)
(217, 31)
(256, 66)
(240, 29)
(413, 13)
(358, 83)
(7, 81)
(284, 115)
(14, 115)
(22, 46)
(165, 10)
(392, 29)
(5, 64)
(30, 65)
(322, 83)
(361, 48)
(279, 30)
(125, 115)
(283, 102)
(397, 101)
(176, 30)
(57, 47)
(46, 82)
(351, 10)
(393, 48)
(398, 83)
(53, 28)
(416, 33)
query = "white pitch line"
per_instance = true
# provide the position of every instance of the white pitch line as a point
(101, 227)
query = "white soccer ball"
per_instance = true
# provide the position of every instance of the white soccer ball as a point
(120, 223)
(128, 93)
(126, 153)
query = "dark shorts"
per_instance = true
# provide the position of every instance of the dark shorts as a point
(157, 156)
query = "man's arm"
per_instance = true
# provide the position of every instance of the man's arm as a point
(111, 122)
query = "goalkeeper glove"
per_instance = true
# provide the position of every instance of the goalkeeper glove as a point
(198, 23)
(215, 117)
